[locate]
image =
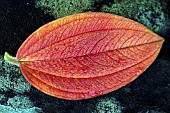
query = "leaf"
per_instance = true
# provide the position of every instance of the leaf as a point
(86, 55)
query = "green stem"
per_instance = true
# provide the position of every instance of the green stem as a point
(10, 59)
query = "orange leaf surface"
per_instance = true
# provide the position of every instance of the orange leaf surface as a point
(86, 55)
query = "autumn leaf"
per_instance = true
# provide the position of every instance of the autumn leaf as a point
(86, 55)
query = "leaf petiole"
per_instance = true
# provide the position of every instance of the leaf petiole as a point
(11, 59)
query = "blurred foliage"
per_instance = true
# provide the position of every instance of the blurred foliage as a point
(108, 105)
(8, 109)
(17, 104)
(148, 12)
(20, 102)
(61, 8)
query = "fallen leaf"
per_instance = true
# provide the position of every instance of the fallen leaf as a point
(86, 55)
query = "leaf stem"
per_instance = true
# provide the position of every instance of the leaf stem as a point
(10, 59)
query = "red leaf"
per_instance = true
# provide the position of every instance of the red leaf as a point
(87, 55)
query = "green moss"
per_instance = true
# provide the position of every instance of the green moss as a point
(17, 104)
(108, 106)
(12, 79)
(8, 109)
(20, 102)
(61, 8)
(123, 8)
(147, 12)
(3, 98)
